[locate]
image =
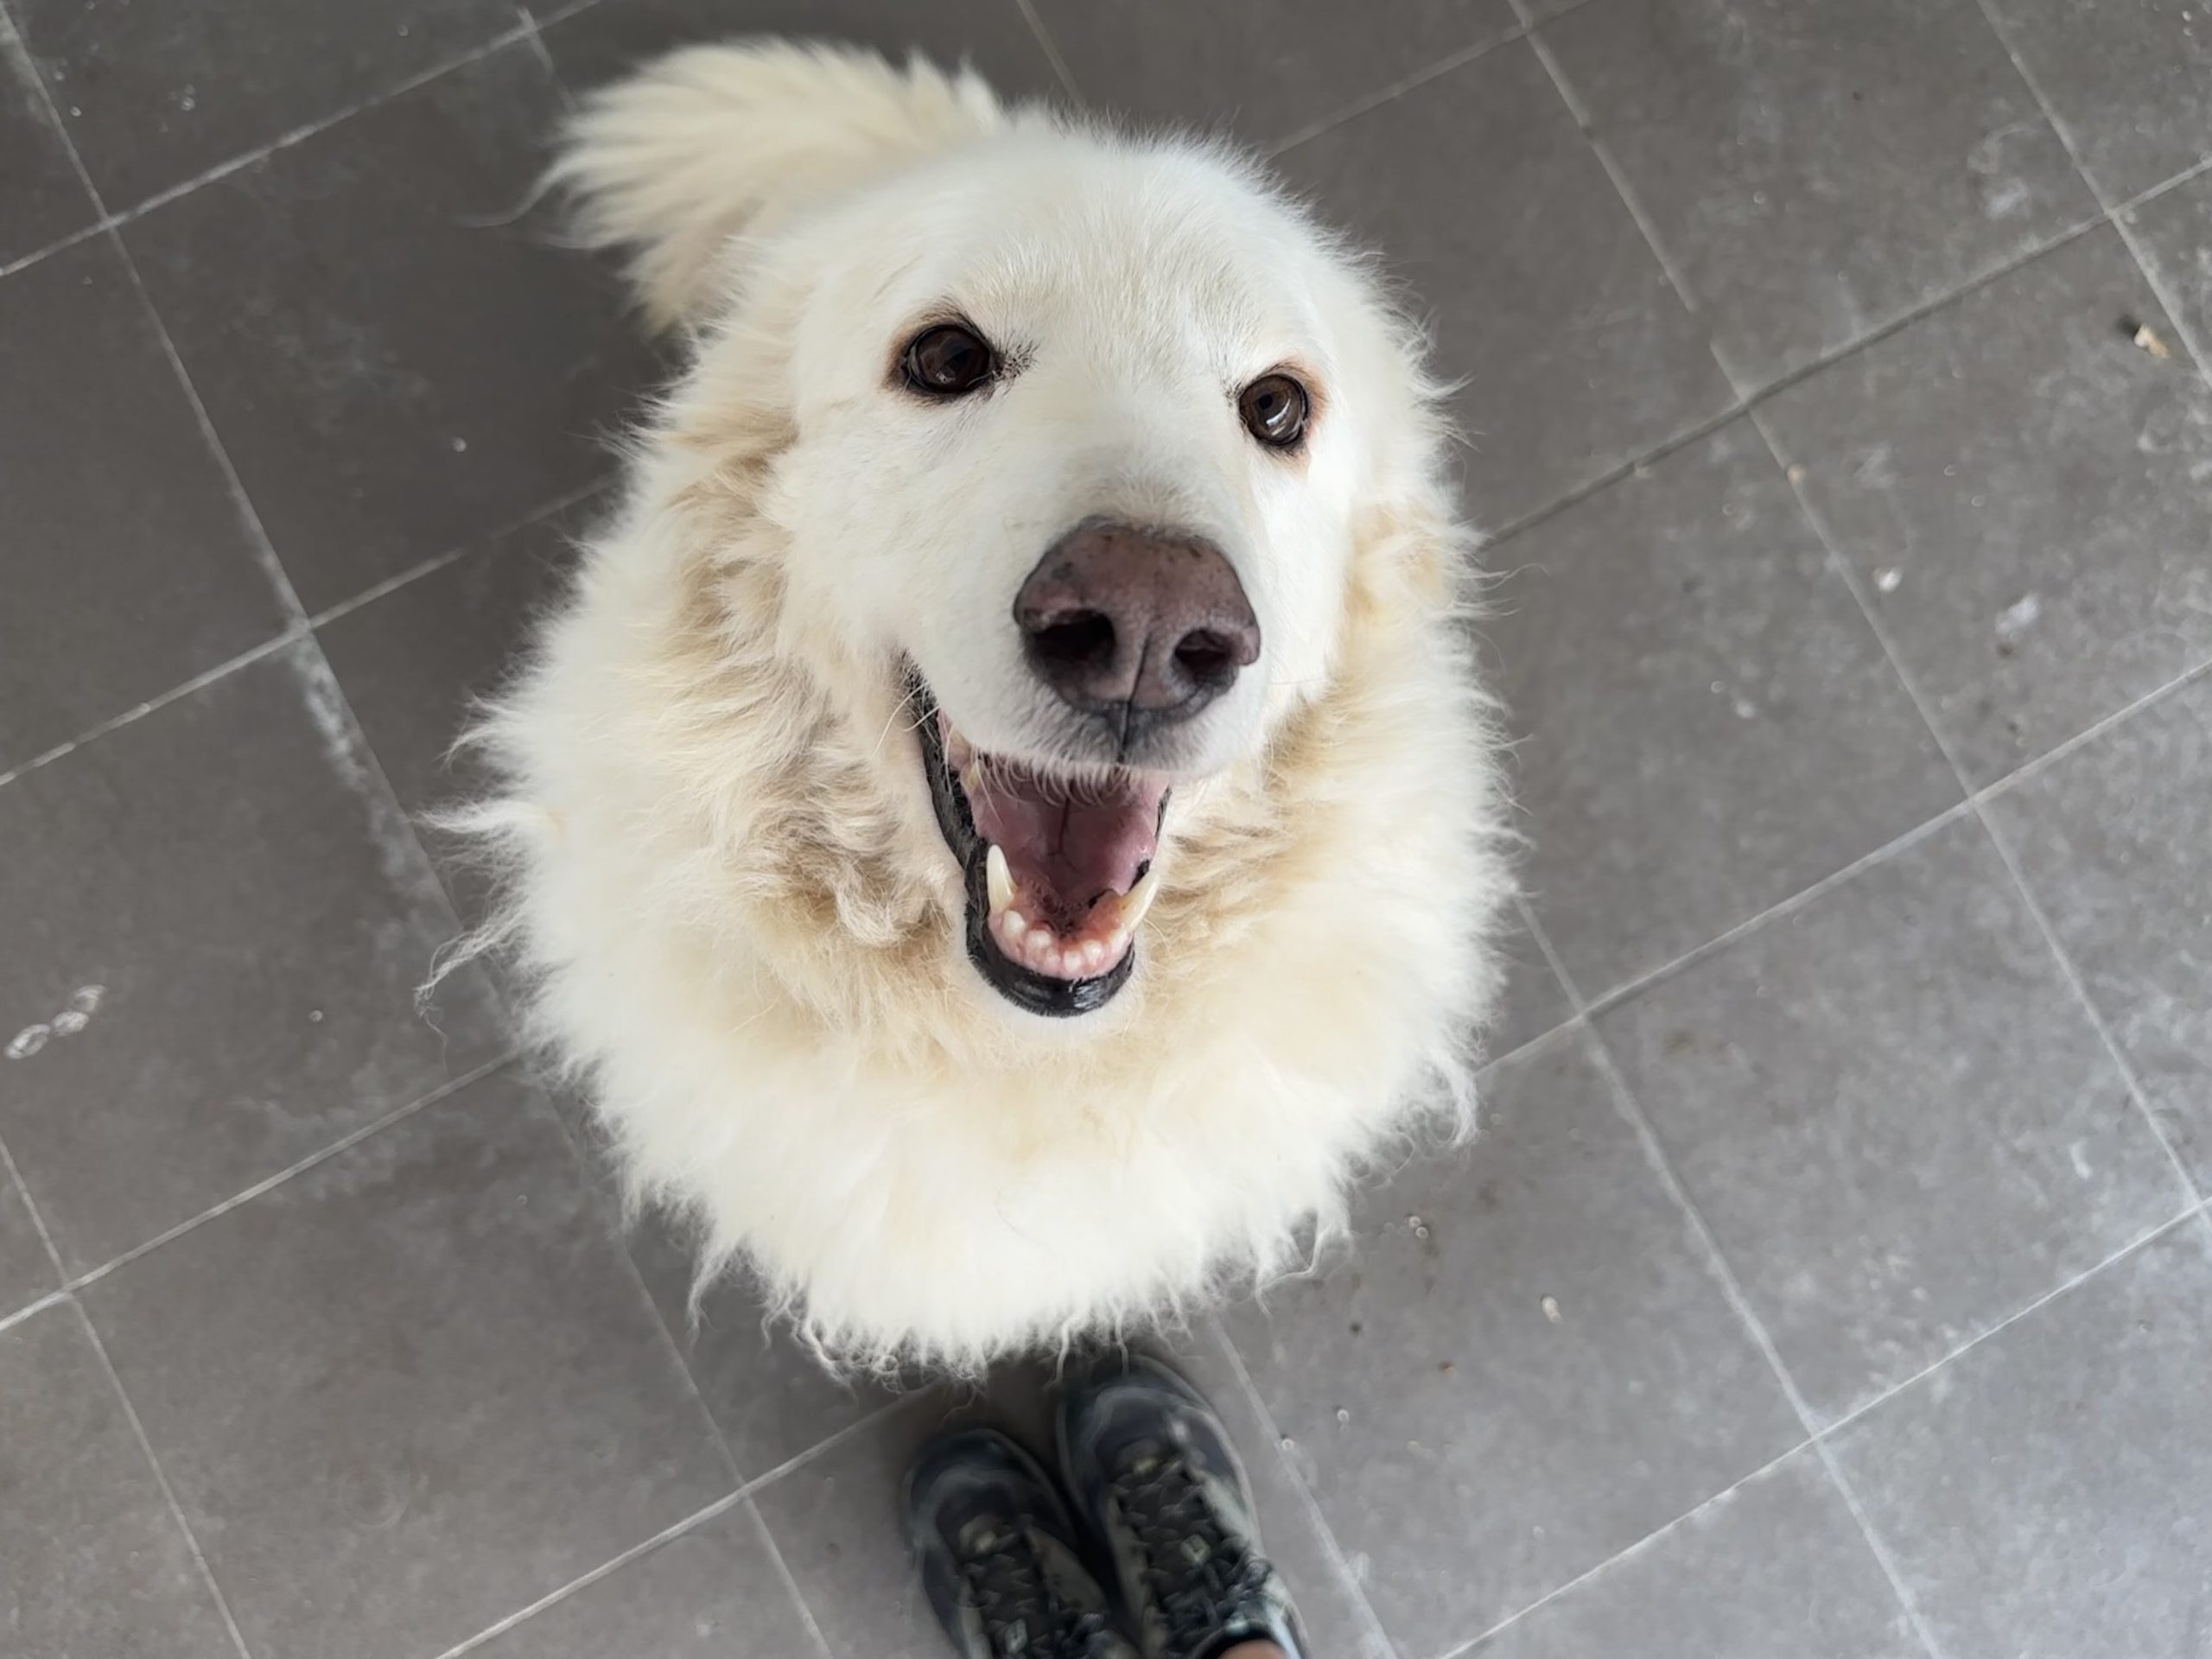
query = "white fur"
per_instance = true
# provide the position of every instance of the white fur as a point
(738, 918)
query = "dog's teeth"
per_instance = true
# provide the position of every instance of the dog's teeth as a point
(1094, 956)
(999, 879)
(1138, 900)
(1011, 927)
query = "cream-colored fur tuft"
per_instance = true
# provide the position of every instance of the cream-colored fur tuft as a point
(716, 141)
(740, 924)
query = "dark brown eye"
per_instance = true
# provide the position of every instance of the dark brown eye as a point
(948, 361)
(1275, 408)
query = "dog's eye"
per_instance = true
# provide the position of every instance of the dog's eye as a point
(947, 360)
(1275, 408)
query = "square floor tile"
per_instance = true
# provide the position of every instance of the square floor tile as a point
(26, 1270)
(97, 1564)
(2045, 1493)
(238, 907)
(598, 44)
(770, 1396)
(1895, 1116)
(104, 453)
(41, 198)
(2130, 80)
(164, 94)
(713, 1593)
(1711, 727)
(1263, 73)
(1815, 168)
(1482, 196)
(413, 663)
(2021, 489)
(1776, 1568)
(397, 358)
(2111, 841)
(2175, 233)
(411, 1390)
(1524, 1365)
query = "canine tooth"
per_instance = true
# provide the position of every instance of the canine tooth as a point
(1138, 900)
(999, 876)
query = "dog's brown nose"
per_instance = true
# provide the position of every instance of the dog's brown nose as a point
(1146, 622)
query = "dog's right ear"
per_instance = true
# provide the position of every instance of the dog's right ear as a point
(712, 143)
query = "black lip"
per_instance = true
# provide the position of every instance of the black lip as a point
(1055, 999)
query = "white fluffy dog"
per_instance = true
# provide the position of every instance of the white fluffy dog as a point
(1004, 827)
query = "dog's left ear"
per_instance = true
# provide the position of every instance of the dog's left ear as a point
(716, 142)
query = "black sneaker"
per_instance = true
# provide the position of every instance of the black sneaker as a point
(1154, 1474)
(998, 1555)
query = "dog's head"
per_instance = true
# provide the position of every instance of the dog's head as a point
(1077, 439)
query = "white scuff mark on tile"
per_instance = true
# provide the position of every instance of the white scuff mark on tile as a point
(1746, 710)
(2016, 619)
(1343, 1416)
(84, 1002)
(1550, 1305)
(346, 750)
(1888, 579)
(2006, 200)
(2081, 1161)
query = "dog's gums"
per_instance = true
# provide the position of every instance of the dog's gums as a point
(1058, 870)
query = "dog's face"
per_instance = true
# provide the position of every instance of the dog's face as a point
(1080, 441)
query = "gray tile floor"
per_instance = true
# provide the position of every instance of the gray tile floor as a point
(1832, 1281)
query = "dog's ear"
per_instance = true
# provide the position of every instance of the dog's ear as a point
(714, 143)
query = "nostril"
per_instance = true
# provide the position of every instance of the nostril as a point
(1084, 639)
(1207, 659)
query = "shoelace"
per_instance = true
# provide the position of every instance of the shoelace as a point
(1199, 1574)
(1024, 1616)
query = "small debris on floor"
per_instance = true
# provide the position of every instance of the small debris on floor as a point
(1343, 1416)
(1796, 474)
(2144, 338)
(1289, 1445)
(1446, 1366)
(2015, 619)
(1419, 1227)
(1888, 579)
(1551, 1309)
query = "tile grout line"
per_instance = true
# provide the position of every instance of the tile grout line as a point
(1731, 1289)
(488, 543)
(1625, 1098)
(107, 1365)
(2115, 213)
(109, 220)
(1330, 1543)
(1850, 1418)
(746, 1494)
(162, 1479)
(619, 1236)
(669, 1534)
(1053, 55)
(346, 1142)
(1390, 94)
(115, 1379)
(1649, 1540)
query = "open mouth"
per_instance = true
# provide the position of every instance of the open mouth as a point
(1058, 866)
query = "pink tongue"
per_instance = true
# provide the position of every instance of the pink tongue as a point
(1067, 848)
